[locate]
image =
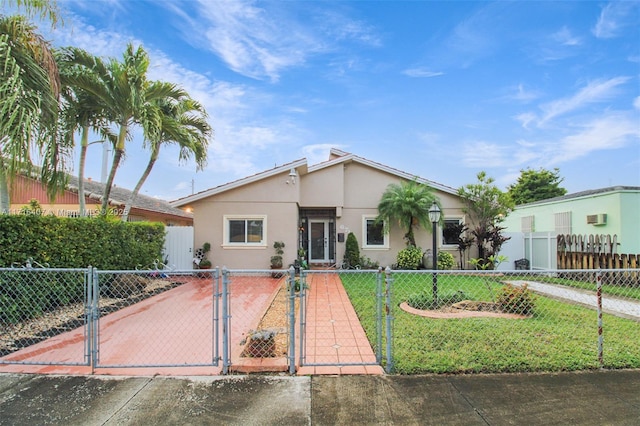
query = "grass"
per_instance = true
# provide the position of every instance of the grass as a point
(558, 337)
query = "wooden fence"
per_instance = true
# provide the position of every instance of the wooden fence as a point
(593, 252)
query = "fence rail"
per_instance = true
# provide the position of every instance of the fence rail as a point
(407, 321)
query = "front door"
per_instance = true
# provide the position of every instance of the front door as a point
(318, 241)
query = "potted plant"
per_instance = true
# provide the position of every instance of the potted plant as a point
(201, 260)
(276, 260)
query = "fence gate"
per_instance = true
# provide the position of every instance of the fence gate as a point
(178, 247)
(156, 319)
(44, 315)
(331, 332)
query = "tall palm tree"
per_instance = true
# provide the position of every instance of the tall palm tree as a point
(407, 203)
(29, 88)
(81, 110)
(123, 91)
(183, 122)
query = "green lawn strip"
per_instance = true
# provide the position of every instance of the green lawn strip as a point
(559, 337)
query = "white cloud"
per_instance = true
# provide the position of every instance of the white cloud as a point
(483, 154)
(611, 131)
(596, 91)
(636, 103)
(614, 18)
(421, 72)
(566, 38)
(318, 153)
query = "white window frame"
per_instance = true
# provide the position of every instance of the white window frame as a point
(385, 235)
(225, 231)
(460, 220)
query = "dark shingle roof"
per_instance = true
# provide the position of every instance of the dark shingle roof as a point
(119, 196)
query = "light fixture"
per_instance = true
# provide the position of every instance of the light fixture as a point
(292, 176)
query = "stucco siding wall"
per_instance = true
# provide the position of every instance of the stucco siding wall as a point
(323, 188)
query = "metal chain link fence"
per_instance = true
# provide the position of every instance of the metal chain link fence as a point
(409, 321)
(41, 310)
(156, 318)
(258, 316)
(483, 321)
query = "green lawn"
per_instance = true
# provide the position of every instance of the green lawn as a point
(558, 337)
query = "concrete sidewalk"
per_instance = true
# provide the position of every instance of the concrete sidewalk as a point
(581, 398)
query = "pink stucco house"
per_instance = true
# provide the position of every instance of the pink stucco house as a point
(311, 208)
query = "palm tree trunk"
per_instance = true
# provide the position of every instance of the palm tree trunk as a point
(84, 144)
(143, 178)
(117, 156)
(5, 203)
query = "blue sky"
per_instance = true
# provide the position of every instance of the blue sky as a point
(442, 90)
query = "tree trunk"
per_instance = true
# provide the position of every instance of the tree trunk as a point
(117, 156)
(84, 144)
(143, 178)
(5, 203)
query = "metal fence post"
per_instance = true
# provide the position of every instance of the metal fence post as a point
(379, 315)
(599, 302)
(94, 318)
(389, 318)
(216, 316)
(303, 307)
(292, 319)
(225, 321)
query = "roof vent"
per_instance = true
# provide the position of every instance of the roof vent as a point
(597, 219)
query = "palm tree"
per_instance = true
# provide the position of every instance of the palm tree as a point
(123, 91)
(183, 122)
(29, 88)
(407, 203)
(81, 110)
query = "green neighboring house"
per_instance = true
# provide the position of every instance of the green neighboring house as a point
(610, 211)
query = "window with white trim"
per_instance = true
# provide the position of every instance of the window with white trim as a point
(244, 231)
(373, 233)
(451, 231)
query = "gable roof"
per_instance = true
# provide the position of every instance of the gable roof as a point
(299, 165)
(582, 194)
(336, 157)
(119, 197)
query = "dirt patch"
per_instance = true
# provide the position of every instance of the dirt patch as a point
(275, 320)
(464, 309)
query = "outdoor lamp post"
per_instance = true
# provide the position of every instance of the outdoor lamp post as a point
(434, 216)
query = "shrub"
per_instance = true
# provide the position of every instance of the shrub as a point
(424, 300)
(516, 300)
(445, 260)
(409, 258)
(351, 250)
(366, 263)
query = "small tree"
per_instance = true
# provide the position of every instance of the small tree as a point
(352, 251)
(407, 203)
(536, 185)
(488, 206)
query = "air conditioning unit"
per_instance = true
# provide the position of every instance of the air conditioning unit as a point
(597, 219)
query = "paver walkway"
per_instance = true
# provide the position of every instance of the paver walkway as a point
(610, 304)
(334, 334)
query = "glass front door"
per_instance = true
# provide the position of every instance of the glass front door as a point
(318, 241)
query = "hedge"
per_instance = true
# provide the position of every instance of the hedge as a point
(79, 242)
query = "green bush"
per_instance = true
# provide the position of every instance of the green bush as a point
(79, 242)
(516, 300)
(445, 261)
(409, 258)
(352, 251)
